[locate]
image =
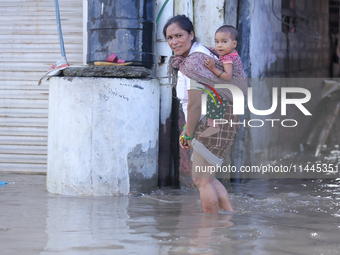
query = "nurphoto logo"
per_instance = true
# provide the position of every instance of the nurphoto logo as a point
(238, 105)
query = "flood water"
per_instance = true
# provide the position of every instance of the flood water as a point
(276, 216)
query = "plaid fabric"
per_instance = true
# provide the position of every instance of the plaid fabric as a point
(218, 143)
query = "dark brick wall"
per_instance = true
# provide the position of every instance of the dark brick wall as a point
(276, 54)
(299, 55)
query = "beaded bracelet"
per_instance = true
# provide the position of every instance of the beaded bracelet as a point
(188, 137)
(184, 127)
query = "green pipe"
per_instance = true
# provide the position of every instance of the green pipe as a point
(161, 11)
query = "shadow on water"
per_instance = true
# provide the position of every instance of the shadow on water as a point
(273, 216)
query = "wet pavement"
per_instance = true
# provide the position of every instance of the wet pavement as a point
(273, 216)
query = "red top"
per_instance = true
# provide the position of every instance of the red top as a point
(229, 58)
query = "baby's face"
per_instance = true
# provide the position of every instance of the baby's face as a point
(224, 44)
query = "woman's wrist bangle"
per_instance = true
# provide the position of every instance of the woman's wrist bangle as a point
(184, 127)
(188, 137)
(220, 74)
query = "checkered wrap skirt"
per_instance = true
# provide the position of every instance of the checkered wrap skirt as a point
(218, 143)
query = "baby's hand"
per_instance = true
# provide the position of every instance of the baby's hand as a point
(210, 64)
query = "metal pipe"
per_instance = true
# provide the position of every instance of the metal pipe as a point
(166, 171)
(243, 26)
(62, 49)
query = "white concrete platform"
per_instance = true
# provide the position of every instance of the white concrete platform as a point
(102, 136)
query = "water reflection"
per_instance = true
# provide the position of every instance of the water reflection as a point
(22, 216)
(197, 234)
(127, 225)
(93, 226)
(182, 227)
(272, 217)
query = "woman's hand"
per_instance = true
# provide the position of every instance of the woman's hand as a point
(185, 144)
(210, 64)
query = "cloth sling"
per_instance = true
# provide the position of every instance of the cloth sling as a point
(193, 67)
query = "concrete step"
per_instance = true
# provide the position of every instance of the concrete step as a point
(23, 159)
(24, 142)
(23, 131)
(23, 122)
(22, 115)
(23, 168)
(24, 103)
(23, 149)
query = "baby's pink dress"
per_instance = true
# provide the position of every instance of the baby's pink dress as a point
(238, 78)
(234, 58)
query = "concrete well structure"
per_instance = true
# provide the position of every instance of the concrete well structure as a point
(103, 136)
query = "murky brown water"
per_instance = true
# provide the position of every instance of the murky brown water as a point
(281, 216)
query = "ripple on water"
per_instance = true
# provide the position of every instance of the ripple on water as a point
(314, 197)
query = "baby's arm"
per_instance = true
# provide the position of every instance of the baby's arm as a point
(225, 75)
(228, 72)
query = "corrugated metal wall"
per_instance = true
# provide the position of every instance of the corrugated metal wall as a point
(29, 45)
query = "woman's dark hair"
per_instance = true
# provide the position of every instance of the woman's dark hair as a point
(183, 22)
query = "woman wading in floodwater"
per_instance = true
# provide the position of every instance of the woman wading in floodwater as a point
(188, 73)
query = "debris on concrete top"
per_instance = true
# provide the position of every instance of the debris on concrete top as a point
(107, 71)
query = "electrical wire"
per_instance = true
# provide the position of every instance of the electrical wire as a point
(317, 37)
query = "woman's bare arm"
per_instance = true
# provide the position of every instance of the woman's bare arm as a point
(194, 110)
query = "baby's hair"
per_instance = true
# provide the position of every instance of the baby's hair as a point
(229, 29)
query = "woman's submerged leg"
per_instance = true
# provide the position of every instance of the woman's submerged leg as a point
(212, 192)
(223, 196)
